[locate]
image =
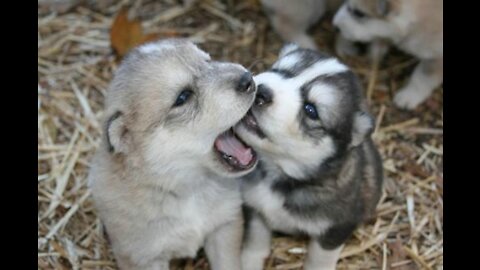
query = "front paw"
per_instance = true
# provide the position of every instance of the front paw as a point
(253, 260)
(345, 48)
(409, 98)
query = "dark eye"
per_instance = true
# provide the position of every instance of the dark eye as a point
(357, 13)
(310, 111)
(183, 97)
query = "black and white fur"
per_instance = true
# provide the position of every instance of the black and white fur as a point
(317, 177)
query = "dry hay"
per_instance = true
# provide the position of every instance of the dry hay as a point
(75, 65)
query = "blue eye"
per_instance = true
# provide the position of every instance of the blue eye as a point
(183, 97)
(310, 111)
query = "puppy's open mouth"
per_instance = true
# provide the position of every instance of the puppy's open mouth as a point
(234, 153)
(251, 124)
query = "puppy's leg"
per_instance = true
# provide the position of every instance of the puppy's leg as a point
(427, 76)
(291, 19)
(377, 50)
(323, 252)
(292, 30)
(321, 258)
(345, 47)
(223, 246)
(125, 264)
(256, 246)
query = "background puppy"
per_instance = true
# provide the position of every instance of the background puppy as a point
(158, 177)
(415, 26)
(291, 19)
(319, 173)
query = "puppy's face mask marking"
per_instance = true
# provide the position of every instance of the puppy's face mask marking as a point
(303, 120)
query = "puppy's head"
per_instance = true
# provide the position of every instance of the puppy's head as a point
(307, 112)
(366, 20)
(171, 106)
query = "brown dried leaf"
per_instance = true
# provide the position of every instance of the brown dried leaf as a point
(126, 34)
(149, 37)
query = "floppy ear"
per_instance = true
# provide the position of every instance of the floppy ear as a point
(383, 7)
(363, 124)
(287, 48)
(117, 134)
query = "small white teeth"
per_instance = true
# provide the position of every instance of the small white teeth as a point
(230, 159)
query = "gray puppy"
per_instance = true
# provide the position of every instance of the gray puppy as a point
(159, 178)
(319, 172)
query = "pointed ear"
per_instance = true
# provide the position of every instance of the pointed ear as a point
(363, 124)
(287, 48)
(383, 7)
(117, 134)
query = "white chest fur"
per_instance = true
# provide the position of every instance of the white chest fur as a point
(196, 216)
(269, 204)
(168, 224)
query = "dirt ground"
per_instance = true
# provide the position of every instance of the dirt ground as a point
(75, 65)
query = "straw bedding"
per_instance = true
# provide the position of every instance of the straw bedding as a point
(75, 65)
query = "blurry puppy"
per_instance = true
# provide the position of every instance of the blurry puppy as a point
(159, 179)
(291, 19)
(415, 26)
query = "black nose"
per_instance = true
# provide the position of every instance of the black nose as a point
(246, 83)
(264, 96)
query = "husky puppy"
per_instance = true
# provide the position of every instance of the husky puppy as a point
(319, 172)
(291, 19)
(415, 26)
(159, 179)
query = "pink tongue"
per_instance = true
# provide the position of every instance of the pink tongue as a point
(228, 144)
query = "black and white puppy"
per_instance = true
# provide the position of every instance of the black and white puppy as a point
(319, 172)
